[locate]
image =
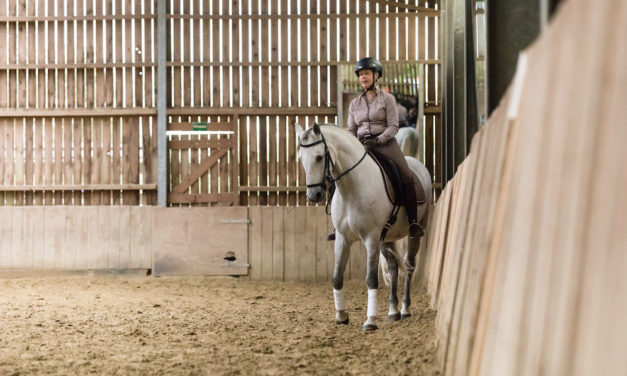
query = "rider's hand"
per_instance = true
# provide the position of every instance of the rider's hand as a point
(369, 143)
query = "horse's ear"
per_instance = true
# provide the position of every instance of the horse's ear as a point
(299, 129)
(316, 129)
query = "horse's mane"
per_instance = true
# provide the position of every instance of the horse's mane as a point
(342, 133)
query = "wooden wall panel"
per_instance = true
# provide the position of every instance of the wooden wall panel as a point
(74, 57)
(531, 242)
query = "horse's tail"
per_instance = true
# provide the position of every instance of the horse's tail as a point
(383, 262)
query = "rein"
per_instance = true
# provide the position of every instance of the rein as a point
(327, 161)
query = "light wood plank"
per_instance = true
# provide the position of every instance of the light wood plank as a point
(278, 245)
(291, 262)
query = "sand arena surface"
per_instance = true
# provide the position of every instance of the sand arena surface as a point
(202, 326)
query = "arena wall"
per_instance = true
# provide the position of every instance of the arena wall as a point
(525, 252)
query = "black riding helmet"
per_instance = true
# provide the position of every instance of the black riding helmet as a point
(372, 64)
(369, 63)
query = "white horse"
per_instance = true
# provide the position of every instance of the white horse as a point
(409, 141)
(359, 211)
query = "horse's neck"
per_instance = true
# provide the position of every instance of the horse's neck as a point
(357, 181)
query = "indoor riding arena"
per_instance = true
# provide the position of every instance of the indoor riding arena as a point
(154, 216)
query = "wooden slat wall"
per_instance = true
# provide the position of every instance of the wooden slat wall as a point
(76, 238)
(284, 243)
(290, 244)
(525, 249)
(253, 59)
(77, 54)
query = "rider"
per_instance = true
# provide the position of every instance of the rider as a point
(373, 118)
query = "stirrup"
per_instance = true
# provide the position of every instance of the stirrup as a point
(415, 230)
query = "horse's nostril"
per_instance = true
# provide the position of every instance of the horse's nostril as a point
(318, 195)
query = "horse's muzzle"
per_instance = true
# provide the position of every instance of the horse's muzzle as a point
(315, 194)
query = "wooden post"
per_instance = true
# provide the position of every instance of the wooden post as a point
(161, 105)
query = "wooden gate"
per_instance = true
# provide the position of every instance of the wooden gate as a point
(202, 163)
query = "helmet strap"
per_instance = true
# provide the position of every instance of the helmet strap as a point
(374, 82)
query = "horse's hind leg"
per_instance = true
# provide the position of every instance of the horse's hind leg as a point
(342, 251)
(386, 250)
(412, 250)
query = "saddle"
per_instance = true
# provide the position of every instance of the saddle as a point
(393, 188)
(392, 179)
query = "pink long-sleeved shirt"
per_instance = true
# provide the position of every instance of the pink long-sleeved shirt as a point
(379, 117)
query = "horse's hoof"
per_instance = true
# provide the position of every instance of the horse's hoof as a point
(394, 317)
(370, 328)
(405, 315)
(345, 322)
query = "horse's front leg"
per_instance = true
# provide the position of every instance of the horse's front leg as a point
(342, 251)
(372, 281)
(412, 249)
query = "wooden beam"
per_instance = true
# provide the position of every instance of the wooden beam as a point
(193, 198)
(162, 95)
(272, 189)
(433, 109)
(417, 11)
(77, 112)
(108, 17)
(271, 111)
(201, 144)
(320, 63)
(210, 127)
(78, 187)
(75, 65)
(422, 11)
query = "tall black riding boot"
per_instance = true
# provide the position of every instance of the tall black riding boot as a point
(411, 206)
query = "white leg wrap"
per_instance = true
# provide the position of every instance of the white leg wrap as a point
(404, 309)
(372, 302)
(340, 300)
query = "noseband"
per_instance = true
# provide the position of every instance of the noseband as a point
(327, 161)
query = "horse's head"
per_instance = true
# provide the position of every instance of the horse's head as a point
(312, 154)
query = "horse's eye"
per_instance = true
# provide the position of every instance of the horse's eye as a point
(319, 158)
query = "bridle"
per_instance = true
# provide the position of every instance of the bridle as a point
(327, 176)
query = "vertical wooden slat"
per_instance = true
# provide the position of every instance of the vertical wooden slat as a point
(106, 160)
(282, 154)
(278, 246)
(5, 236)
(292, 159)
(141, 237)
(18, 237)
(291, 261)
(300, 215)
(253, 198)
(117, 141)
(293, 55)
(131, 160)
(343, 33)
(36, 231)
(254, 242)
(124, 246)
(18, 163)
(67, 160)
(77, 236)
(267, 261)
(93, 234)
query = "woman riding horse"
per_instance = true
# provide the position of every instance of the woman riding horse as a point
(373, 119)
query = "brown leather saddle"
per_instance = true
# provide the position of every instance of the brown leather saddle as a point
(392, 179)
